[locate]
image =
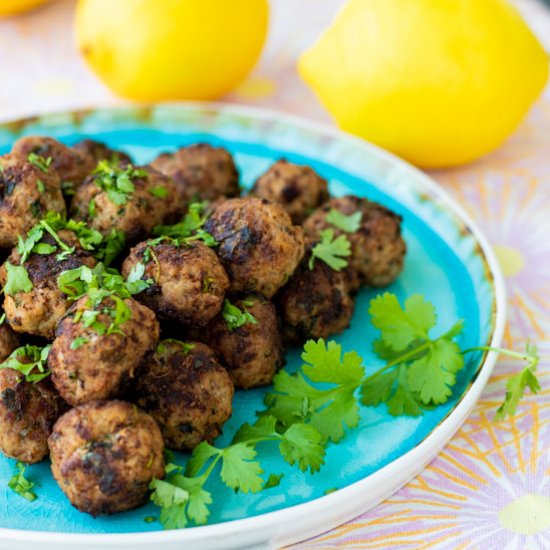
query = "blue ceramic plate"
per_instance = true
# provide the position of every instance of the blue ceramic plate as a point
(448, 261)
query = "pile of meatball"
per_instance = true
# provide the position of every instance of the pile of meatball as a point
(167, 378)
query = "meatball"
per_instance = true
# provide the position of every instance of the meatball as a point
(298, 188)
(258, 245)
(28, 412)
(39, 310)
(201, 172)
(317, 302)
(94, 360)
(378, 249)
(186, 391)
(252, 352)
(190, 282)
(8, 341)
(105, 201)
(71, 165)
(26, 194)
(104, 456)
(96, 150)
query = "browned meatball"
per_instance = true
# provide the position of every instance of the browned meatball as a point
(71, 165)
(317, 302)
(104, 456)
(8, 341)
(39, 310)
(258, 245)
(97, 151)
(298, 188)
(90, 363)
(190, 282)
(378, 249)
(186, 391)
(201, 172)
(28, 412)
(153, 201)
(252, 352)
(27, 193)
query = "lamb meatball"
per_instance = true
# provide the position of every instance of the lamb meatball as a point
(39, 310)
(186, 391)
(90, 363)
(298, 188)
(378, 249)
(153, 201)
(104, 456)
(258, 245)
(28, 412)
(71, 165)
(201, 172)
(252, 352)
(190, 282)
(26, 194)
(317, 302)
(8, 341)
(97, 151)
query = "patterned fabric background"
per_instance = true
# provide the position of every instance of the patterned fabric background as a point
(490, 487)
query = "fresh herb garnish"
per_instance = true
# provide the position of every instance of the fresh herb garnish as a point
(30, 361)
(79, 342)
(40, 162)
(17, 280)
(40, 186)
(20, 485)
(111, 246)
(116, 181)
(160, 192)
(186, 347)
(349, 224)
(235, 317)
(331, 250)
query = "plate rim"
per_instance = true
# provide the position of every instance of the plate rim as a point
(438, 437)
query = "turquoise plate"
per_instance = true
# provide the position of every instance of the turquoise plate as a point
(448, 261)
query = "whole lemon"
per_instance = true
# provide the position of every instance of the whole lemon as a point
(438, 82)
(11, 7)
(171, 49)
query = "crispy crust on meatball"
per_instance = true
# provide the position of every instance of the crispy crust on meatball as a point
(26, 194)
(299, 189)
(190, 282)
(39, 310)
(144, 209)
(317, 303)
(101, 365)
(71, 165)
(252, 353)
(28, 412)
(8, 341)
(104, 456)
(186, 391)
(258, 245)
(97, 150)
(201, 171)
(378, 249)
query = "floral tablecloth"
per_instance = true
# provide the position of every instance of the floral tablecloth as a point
(490, 487)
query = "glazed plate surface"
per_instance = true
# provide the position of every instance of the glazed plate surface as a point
(448, 261)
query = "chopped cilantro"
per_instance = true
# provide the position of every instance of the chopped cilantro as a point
(160, 192)
(17, 280)
(116, 181)
(40, 162)
(331, 250)
(40, 186)
(349, 224)
(30, 361)
(235, 317)
(79, 342)
(20, 485)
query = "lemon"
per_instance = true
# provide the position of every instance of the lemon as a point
(11, 7)
(171, 49)
(438, 82)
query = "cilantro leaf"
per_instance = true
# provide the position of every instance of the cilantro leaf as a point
(30, 361)
(43, 164)
(403, 401)
(302, 444)
(235, 317)
(273, 481)
(17, 280)
(240, 471)
(160, 192)
(20, 485)
(116, 181)
(331, 250)
(349, 224)
(111, 246)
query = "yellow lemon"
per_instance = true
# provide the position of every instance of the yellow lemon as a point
(11, 7)
(171, 49)
(439, 82)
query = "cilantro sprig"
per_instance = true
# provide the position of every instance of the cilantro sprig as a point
(20, 485)
(30, 361)
(117, 181)
(331, 250)
(346, 223)
(235, 317)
